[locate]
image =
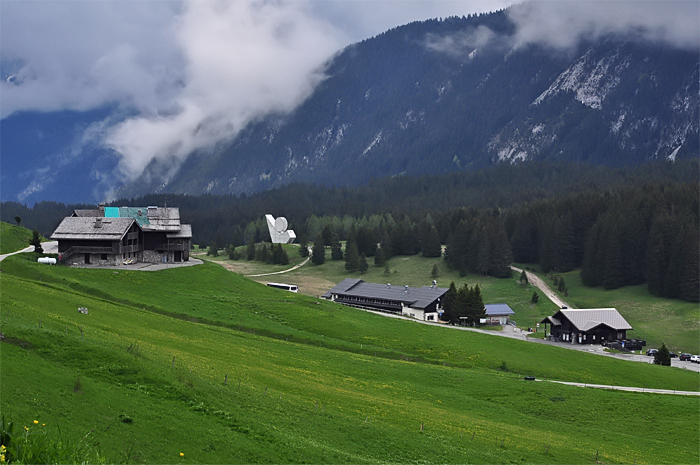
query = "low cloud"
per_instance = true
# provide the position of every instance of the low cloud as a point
(562, 24)
(243, 60)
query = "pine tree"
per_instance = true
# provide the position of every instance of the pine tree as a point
(434, 273)
(523, 278)
(379, 259)
(303, 246)
(336, 249)
(431, 245)
(318, 254)
(662, 356)
(250, 251)
(535, 298)
(449, 307)
(36, 242)
(352, 257)
(327, 234)
(362, 264)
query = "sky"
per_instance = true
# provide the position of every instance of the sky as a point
(188, 74)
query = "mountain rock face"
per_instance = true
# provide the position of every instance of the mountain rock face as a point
(431, 97)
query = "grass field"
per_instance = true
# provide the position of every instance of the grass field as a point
(204, 362)
(13, 237)
(306, 380)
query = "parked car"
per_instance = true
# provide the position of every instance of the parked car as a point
(695, 358)
(652, 351)
(672, 354)
(684, 357)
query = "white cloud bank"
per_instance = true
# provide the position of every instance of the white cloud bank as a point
(243, 60)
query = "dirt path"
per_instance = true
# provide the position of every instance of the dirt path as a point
(541, 285)
(49, 247)
(280, 272)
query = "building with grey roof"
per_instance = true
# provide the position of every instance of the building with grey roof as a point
(587, 326)
(114, 235)
(422, 303)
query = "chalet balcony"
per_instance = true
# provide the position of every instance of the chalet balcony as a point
(170, 247)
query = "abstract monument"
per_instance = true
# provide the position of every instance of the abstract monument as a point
(278, 230)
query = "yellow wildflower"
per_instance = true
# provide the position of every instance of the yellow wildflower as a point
(26, 429)
(181, 454)
(36, 422)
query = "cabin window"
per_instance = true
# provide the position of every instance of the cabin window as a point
(103, 257)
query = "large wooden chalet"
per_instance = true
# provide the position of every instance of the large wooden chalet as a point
(113, 235)
(422, 303)
(587, 326)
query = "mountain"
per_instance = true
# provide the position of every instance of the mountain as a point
(421, 99)
(429, 97)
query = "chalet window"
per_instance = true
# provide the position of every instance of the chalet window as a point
(103, 257)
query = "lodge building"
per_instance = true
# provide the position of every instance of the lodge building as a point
(113, 235)
(423, 303)
(587, 326)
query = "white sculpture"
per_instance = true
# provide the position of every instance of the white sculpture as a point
(278, 230)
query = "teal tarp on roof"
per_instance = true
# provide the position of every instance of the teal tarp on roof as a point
(111, 212)
(133, 212)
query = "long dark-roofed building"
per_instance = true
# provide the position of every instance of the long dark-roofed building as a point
(587, 326)
(112, 235)
(423, 303)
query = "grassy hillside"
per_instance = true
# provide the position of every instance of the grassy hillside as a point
(13, 237)
(307, 380)
(656, 319)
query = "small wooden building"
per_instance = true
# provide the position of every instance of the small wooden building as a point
(498, 314)
(587, 326)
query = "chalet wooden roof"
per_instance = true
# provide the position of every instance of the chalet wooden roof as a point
(587, 319)
(92, 228)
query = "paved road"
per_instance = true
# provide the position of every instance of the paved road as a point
(517, 333)
(626, 388)
(541, 285)
(49, 247)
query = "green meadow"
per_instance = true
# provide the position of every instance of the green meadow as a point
(13, 237)
(205, 363)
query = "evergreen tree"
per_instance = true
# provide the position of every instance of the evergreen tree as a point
(36, 242)
(303, 246)
(449, 305)
(18, 220)
(535, 298)
(352, 257)
(250, 251)
(431, 245)
(336, 249)
(327, 234)
(213, 250)
(662, 356)
(363, 265)
(318, 253)
(434, 273)
(387, 269)
(523, 278)
(386, 245)
(365, 241)
(379, 257)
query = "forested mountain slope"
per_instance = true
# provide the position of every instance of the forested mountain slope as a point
(440, 96)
